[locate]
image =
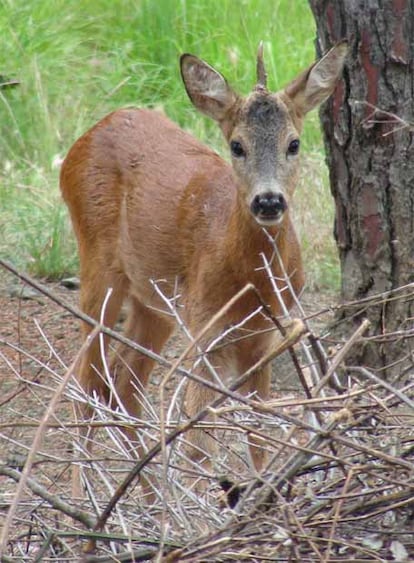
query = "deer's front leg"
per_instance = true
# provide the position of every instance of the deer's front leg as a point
(259, 387)
(201, 444)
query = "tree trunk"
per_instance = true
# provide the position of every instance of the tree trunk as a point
(370, 154)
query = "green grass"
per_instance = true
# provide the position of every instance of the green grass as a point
(76, 61)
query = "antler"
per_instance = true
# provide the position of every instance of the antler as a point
(260, 69)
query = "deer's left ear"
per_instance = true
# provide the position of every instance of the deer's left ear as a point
(317, 82)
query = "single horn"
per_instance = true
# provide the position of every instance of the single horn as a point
(260, 69)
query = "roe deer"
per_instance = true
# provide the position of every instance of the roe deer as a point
(149, 202)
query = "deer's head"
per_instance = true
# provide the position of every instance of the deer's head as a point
(263, 129)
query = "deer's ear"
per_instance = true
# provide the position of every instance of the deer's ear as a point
(207, 89)
(317, 82)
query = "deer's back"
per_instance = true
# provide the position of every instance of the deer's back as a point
(142, 192)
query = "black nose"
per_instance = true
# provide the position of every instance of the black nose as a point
(268, 204)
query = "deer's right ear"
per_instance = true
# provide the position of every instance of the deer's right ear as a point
(207, 89)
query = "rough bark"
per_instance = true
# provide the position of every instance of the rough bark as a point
(370, 156)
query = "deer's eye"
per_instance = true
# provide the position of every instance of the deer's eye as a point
(293, 147)
(237, 149)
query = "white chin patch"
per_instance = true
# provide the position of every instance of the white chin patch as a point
(269, 221)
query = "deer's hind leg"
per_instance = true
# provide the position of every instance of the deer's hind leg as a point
(90, 374)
